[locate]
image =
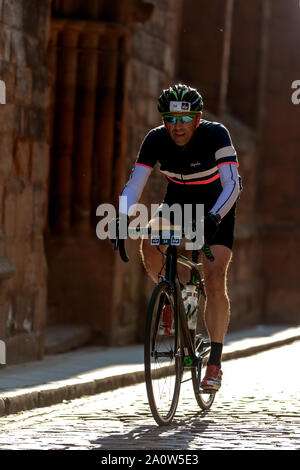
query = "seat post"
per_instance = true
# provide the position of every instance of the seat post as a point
(171, 266)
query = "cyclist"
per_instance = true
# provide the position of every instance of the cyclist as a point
(200, 163)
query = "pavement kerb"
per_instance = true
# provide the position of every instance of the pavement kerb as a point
(55, 393)
(52, 394)
(265, 346)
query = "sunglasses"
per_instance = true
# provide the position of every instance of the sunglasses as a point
(184, 119)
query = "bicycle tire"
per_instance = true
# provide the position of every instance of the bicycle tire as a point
(163, 361)
(204, 400)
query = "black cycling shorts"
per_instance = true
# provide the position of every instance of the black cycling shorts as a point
(225, 233)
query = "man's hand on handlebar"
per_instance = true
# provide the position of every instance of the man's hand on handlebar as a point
(211, 226)
(118, 229)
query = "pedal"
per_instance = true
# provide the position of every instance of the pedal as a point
(208, 391)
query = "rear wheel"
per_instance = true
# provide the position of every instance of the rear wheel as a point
(204, 399)
(163, 361)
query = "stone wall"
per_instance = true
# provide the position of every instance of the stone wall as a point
(23, 175)
(244, 57)
(90, 53)
(278, 199)
(213, 54)
(236, 53)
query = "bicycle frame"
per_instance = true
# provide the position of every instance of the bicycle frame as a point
(171, 272)
(188, 350)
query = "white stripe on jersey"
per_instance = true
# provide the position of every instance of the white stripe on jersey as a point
(224, 152)
(200, 174)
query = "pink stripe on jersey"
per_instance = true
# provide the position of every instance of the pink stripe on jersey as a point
(227, 163)
(146, 166)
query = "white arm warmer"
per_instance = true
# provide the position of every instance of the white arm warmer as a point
(231, 189)
(133, 188)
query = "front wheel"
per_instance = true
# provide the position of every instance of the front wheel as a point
(163, 361)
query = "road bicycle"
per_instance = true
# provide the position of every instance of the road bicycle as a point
(166, 358)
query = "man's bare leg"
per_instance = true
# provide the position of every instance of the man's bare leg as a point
(152, 259)
(217, 312)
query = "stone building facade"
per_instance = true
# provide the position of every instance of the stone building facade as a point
(24, 163)
(82, 78)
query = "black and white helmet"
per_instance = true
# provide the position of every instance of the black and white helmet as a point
(180, 98)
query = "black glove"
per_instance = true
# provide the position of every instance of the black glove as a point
(211, 225)
(115, 225)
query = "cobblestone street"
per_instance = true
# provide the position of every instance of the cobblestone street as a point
(257, 408)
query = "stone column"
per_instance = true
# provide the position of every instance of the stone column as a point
(121, 139)
(224, 75)
(62, 152)
(84, 129)
(204, 49)
(51, 90)
(247, 51)
(50, 100)
(105, 118)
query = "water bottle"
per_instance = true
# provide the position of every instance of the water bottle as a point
(190, 301)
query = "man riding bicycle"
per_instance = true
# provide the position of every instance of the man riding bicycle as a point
(200, 163)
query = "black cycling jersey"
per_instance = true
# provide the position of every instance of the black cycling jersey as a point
(193, 163)
(204, 171)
